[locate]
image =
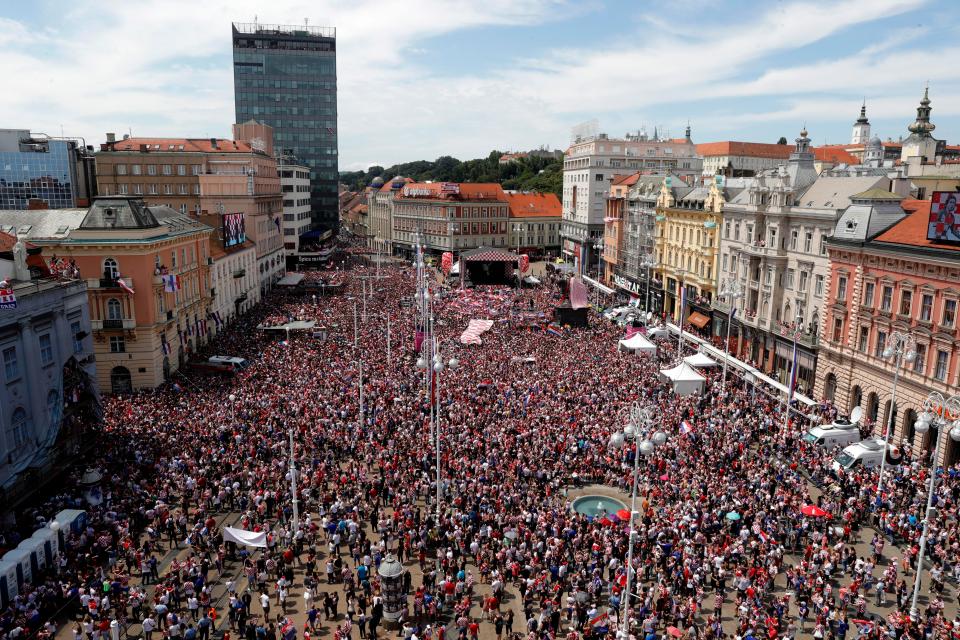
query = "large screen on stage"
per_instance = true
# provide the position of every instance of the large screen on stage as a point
(944, 223)
(234, 231)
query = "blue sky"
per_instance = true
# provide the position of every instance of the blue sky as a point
(423, 78)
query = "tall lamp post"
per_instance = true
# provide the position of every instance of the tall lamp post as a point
(793, 372)
(902, 348)
(731, 291)
(681, 294)
(641, 421)
(431, 363)
(940, 412)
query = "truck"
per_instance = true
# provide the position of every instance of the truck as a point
(866, 454)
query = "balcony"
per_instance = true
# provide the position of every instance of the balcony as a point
(239, 273)
(807, 339)
(108, 283)
(113, 324)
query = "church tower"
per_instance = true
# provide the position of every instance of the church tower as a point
(920, 146)
(861, 128)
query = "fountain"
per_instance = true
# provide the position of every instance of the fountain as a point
(596, 506)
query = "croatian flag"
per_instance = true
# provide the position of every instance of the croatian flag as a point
(169, 283)
(123, 285)
(164, 345)
(685, 428)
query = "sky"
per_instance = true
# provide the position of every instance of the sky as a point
(423, 78)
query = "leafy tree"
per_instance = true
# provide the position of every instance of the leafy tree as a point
(782, 140)
(523, 174)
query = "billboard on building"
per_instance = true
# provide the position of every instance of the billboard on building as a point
(944, 225)
(234, 229)
(449, 187)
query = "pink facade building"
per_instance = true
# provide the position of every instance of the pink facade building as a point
(885, 278)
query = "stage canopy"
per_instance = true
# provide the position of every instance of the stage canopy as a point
(685, 379)
(700, 360)
(637, 342)
(485, 265)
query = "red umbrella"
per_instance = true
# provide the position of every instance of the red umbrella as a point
(623, 514)
(813, 510)
(605, 521)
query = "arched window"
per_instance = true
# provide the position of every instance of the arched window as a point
(830, 387)
(114, 310)
(18, 428)
(855, 397)
(873, 407)
(120, 380)
(111, 270)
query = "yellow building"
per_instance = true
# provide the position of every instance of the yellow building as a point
(688, 243)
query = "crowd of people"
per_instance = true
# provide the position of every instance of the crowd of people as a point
(721, 550)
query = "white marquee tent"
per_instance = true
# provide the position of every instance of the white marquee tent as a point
(685, 379)
(700, 360)
(637, 342)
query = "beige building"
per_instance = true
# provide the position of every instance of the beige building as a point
(380, 200)
(147, 275)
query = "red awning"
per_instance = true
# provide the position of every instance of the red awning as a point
(698, 320)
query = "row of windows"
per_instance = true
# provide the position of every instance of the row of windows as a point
(124, 189)
(925, 302)
(152, 169)
(798, 237)
(276, 83)
(11, 361)
(256, 107)
(877, 337)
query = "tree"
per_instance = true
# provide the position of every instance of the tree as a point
(782, 140)
(523, 174)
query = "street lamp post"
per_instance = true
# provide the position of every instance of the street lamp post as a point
(793, 374)
(293, 485)
(681, 294)
(641, 421)
(902, 348)
(938, 411)
(356, 335)
(648, 263)
(732, 292)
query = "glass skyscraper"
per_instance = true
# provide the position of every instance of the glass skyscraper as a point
(37, 168)
(286, 77)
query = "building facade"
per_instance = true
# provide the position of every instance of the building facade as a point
(588, 166)
(234, 278)
(773, 247)
(534, 223)
(148, 284)
(206, 176)
(450, 217)
(286, 77)
(295, 188)
(49, 392)
(886, 277)
(739, 159)
(380, 200)
(43, 172)
(613, 224)
(687, 247)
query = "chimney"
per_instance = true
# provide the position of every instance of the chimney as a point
(213, 143)
(111, 138)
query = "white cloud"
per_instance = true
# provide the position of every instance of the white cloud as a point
(163, 67)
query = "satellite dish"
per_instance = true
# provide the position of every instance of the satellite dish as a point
(855, 415)
(649, 315)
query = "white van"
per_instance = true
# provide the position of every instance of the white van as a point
(233, 362)
(865, 455)
(840, 433)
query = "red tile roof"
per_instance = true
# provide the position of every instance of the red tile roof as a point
(834, 154)
(468, 191)
(749, 149)
(912, 230)
(534, 205)
(192, 145)
(628, 180)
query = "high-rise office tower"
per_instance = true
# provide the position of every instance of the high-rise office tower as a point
(286, 77)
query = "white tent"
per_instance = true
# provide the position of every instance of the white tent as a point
(637, 342)
(685, 379)
(658, 332)
(700, 360)
(246, 538)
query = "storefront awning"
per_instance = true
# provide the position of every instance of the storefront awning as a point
(698, 320)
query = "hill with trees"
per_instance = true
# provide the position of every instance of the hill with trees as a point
(523, 174)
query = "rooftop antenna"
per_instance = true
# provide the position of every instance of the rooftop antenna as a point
(306, 22)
